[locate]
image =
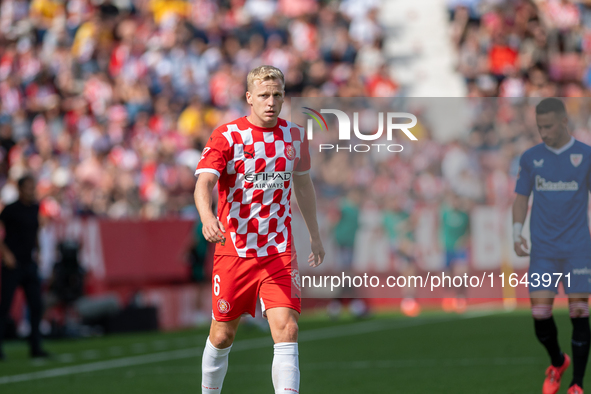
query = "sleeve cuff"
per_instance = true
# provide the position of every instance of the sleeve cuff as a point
(301, 172)
(210, 170)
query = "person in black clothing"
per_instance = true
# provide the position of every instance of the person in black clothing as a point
(19, 268)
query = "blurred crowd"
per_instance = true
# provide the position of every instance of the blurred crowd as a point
(109, 102)
(517, 48)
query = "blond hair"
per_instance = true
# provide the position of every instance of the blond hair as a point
(263, 73)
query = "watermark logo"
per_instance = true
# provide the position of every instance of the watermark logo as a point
(345, 126)
(295, 279)
(317, 117)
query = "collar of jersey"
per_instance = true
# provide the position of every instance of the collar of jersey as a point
(562, 149)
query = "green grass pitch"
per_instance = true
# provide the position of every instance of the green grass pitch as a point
(478, 352)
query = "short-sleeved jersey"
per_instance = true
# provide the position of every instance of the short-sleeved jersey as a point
(560, 181)
(255, 166)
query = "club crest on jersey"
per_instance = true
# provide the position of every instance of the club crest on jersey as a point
(538, 163)
(289, 151)
(576, 159)
(223, 306)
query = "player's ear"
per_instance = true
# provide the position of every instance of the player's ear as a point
(248, 97)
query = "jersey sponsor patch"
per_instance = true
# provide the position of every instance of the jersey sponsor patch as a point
(548, 186)
(576, 159)
(267, 180)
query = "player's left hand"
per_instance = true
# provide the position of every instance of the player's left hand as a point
(317, 256)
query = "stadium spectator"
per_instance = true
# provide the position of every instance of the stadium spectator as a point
(455, 232)
(345, 229)
(541, 45)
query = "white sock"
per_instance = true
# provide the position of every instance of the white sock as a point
(213, 368)
(286, 370)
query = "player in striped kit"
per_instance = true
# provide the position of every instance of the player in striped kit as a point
(256, 159)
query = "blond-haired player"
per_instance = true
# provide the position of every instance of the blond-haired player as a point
(256, 159)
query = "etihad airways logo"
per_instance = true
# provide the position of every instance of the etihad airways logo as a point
(344, 123)
(548, 186)
(267, 180)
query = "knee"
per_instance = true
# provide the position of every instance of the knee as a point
(222, 338)
(578, 309)
(289, 332)
(541, 311)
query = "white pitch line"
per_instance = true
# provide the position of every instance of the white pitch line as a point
(102, 365)
(255, 343)
(361, 364)
(408, 363)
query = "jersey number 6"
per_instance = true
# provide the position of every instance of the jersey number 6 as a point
(216, 285)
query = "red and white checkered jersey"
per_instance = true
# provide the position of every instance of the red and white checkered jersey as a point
(255, 166)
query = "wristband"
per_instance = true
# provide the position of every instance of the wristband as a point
(517, 227)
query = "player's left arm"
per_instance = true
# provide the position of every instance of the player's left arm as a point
(306, 198)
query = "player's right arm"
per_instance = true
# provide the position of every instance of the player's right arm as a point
(213, 229)
(519, 214)
(523, 189)
(214, 159)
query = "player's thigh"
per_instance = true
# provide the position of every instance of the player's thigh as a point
(280, 287)
(542, 297)
(283, 322)
(234, 286)
(578, 297)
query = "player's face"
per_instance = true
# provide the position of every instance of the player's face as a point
(266, 100)
(552, 128)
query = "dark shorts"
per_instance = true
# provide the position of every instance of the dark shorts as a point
(573, 272)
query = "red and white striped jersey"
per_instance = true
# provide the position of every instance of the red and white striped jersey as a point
(255, 166)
